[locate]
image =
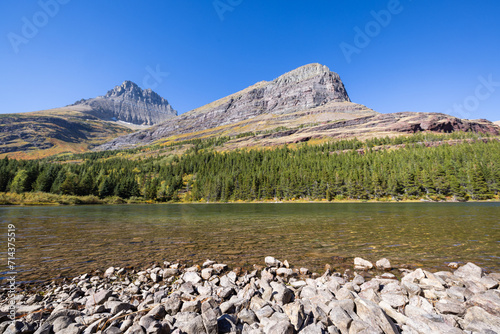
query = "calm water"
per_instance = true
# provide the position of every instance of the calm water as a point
(75, 239)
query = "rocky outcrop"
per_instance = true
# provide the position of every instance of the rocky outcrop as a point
(131, 104)
(308, 87)
(277, 298)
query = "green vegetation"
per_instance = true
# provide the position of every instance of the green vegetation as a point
(422, 168)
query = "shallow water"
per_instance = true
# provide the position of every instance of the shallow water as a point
(71, 240)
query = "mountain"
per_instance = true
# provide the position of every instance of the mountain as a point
(307, 103)
(306, 95)
(497, 123)
(131, 104)
(83, 125)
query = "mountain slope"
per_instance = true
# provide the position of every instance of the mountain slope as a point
(83, 125)
(307, 103)
(313, 88)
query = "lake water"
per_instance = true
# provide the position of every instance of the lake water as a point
(72, 240)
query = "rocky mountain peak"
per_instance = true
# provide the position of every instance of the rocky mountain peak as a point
(302, 73)
(129, 103)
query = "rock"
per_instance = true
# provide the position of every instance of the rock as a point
(489, 301)
(295, 312)
(478, 320)
(284, 272)
(109, 272)
(219, 267)
(272, 262)
(173, 304)
(450, 307)
(361, 264)
(191, 277)
(112, 330)
(281, 294)
(136, 329)
(117, 306)
(371, 313)
(62, 322)
(72, 329)
(281, 327)
(488, 282)
(45, 328)
(383, 264)
(206, 273)
(147, 320)
(469, 271)
(247, 316)
(210, 313)
(191, 306)
(340, 319)
(193, 326)
(264, 312)
(158, 312)
(98, 298)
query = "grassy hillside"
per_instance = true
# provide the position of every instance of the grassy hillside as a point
(41, 134)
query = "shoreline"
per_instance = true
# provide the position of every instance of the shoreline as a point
(12, 199)
(272, 298)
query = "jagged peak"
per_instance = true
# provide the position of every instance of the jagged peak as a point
(303, 73)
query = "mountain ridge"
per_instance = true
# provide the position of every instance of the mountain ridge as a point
(305, 88)
(310, 99)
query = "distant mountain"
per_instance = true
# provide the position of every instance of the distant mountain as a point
(497, 123)
(309, 94)
(131, 104)
(83, 125)
(307, 103)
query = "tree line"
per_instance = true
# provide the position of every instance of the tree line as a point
(332, 171)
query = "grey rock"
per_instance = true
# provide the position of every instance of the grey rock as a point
(193, 326)
(362, 264)
(383, 264)
(210, 313)
(371, 313)
(450, 307)
(469, 271)
(191, 306)
(117, 306)
(172, 304)
(131, 104)
(395, 300)
(191, 277)
(71, 329)
(45, 328)
(136, 329)
(359, 326)
(340, 319)
(112, 330)
(489, 301)
(62, 322)
(158, 312)
(478, 320)
(147, 321)
(264, 312)
(281, 294)
(295, 312)
(247, 316)
(98, 298)
(281, 327)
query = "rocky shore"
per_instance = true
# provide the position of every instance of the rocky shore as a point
(275, 298)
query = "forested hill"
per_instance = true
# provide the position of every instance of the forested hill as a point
(459, 166)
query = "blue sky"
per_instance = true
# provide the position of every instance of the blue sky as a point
(406, 55)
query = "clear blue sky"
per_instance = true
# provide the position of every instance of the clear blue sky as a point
(426, 56)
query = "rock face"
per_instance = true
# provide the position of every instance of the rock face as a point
(130, 104)
(304, 88)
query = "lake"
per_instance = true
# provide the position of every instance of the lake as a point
(72, 240)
